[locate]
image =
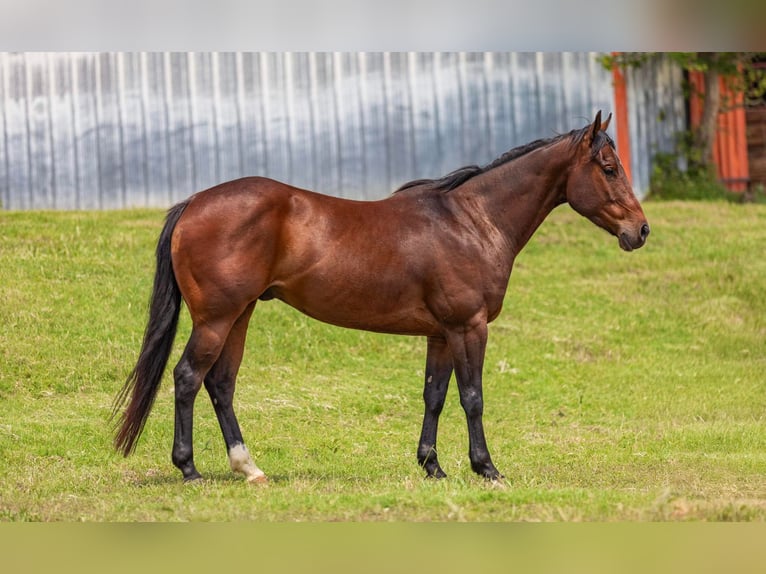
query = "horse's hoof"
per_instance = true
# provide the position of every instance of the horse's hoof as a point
(489, 473)
(438, 474)
(258, 479)
(497, 482)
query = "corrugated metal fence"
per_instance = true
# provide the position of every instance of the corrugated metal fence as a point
(657, 113)
(114, 130)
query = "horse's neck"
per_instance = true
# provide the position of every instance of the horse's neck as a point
(519, 195)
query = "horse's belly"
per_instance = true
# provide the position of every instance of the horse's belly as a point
(365, 309)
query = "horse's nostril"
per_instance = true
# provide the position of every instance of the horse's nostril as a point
(644, 231)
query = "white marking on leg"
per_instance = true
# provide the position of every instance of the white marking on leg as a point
(240, 461)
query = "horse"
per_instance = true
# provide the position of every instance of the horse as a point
(432, 259)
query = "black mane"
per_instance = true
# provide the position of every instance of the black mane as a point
(458, 177)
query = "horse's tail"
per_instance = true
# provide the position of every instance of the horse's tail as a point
(143, 383)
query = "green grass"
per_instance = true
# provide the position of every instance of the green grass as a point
(617, 386)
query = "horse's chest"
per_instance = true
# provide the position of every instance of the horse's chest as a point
(467, 291)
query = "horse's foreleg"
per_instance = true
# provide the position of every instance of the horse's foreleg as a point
(437, 376)
(467, 346)
(202, 350)
(220, 383)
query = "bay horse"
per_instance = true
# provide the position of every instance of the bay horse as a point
(433, 259)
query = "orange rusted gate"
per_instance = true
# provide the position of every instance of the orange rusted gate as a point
(730, 146)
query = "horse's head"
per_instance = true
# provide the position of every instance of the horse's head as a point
(598, 189)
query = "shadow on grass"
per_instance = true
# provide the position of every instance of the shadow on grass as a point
(303, 477)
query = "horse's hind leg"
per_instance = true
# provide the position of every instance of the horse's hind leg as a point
(220, 383)
(201, 352)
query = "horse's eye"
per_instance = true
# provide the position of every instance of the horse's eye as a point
(609, 170)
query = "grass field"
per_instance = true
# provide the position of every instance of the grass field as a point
(617, 386)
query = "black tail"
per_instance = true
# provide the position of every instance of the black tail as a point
(144, 381)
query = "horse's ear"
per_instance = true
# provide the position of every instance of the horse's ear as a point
(605, 125)
(595, 127)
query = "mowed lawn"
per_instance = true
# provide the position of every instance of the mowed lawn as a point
(618, 386)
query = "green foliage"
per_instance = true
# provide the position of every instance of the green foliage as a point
(669, 182)
(682, 175)
(617, 386)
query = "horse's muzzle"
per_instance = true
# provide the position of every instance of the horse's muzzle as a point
(630, 241)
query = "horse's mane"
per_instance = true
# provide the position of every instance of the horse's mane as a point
(458, 177)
